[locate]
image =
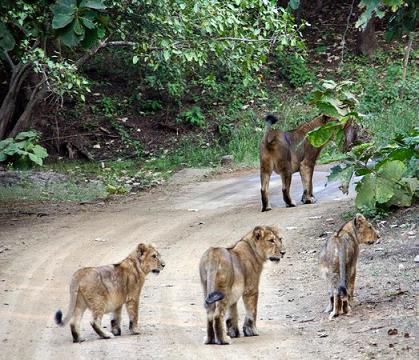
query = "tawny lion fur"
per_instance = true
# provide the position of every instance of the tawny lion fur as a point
(287, 152)
(338, 259)
(227, 274)
(106, 289)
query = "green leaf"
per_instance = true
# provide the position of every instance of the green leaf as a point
(294, 4)
(93, 4)
(64, 13)
(69, 37)
(321, 135)
(384, 190)
(90, 38)
(327, 109)
(78, 28)
(412, 184)
(402, 197)
(40, 151)
(30, 135)
(7, 41)
(135, 59)
(37, 160)
(87, 22)
(392, 170)
(166, 55)
(5, 143)
(365, 197)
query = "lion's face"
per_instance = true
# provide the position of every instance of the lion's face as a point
(268, 239)
(366, 233)
(150, 259)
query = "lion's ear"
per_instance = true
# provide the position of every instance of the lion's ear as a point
(141, 249)
(359, 218)
(258, 232)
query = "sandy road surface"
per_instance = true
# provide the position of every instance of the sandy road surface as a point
(183, 221)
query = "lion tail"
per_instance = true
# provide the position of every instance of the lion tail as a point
(214, 297)
(269, 121)
(214, 294)
(74, 288)
(342, 290)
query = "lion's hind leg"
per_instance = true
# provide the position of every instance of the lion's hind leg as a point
(79, 310)
(220, 332)
(286, 176)
(97, 324)
(232, 322)
(306, 172)
(210, 338)
(265, 176)
(116, 322)
(337, 305)
(329, 306)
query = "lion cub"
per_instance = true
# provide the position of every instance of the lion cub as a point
(338, 259)
(227, 274)
(107, 288)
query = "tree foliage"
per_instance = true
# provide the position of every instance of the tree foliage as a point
(44, 43)
(23, 151)
(334, 99)
(389, 173)
(403, 18)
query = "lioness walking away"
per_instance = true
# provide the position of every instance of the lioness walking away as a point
(227, 274)
(106, 289)
(287, 152)
(338, 259)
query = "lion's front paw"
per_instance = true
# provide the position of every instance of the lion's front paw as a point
(226, 340)
(107, 335)
(209, 340)
(291, 204)
(332, 315)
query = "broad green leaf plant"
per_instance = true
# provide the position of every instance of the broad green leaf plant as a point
(23, 151)
(389, 173)
(334, 99)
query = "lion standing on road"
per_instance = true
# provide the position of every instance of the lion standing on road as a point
(338, 260)
(107, 288)
(287, 152)
(227, 274)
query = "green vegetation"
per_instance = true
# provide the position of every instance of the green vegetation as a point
(390, 180)
(22, 152)
(208, 71)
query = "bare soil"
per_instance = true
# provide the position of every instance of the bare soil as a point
(38, 255)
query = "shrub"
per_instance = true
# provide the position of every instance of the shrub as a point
(22, 152)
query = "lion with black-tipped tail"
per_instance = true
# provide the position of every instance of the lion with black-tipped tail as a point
(338, 259)
(106, 289)
(228, 274)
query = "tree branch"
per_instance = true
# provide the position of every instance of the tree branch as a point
(346, 30)
(9, 60)
(244, 39)
(91, 52)
(121, 43)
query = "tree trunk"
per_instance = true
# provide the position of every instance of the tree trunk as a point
(8, 105)
(367, 42)
(24, 121)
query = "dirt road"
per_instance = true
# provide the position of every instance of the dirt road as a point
(183, 220)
